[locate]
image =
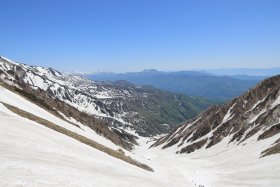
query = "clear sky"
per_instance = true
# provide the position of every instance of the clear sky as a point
(132, 35)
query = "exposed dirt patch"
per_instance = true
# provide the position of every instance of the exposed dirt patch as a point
(275, 129)
(272, 150)
(194, 146)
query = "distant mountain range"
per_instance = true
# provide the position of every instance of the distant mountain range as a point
(262, 72)
(221, 86)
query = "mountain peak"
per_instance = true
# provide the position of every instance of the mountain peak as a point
(150, 71)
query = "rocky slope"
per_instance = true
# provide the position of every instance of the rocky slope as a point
(254, 114)
(128, 110)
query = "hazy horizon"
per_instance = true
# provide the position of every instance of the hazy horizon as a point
(190, 70)
(155, 69)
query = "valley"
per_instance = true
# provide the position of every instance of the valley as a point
(42, 157)
(140, 93)
(55, 132)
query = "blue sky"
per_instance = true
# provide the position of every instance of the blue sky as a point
(132, 35)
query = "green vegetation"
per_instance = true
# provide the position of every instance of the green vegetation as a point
(163, 107)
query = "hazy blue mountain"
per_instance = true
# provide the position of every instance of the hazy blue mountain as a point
(248, 77)
(268, 72)
(193, 83)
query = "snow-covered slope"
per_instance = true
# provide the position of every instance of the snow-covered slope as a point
(73, 90)
(126, 108)
(33, 155)
(254, 116)
(13, 99)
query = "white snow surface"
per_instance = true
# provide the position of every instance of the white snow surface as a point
(257, 116)
(33, 155)
(13, 99)
(256, 104)
(228, 115)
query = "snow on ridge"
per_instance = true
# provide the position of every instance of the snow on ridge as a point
(228, 116)
(13, 99)
(256, 104)
(8, 60)
(76, 91)
(273, 105)
(276, 102)
(52, 82)
(184, 127)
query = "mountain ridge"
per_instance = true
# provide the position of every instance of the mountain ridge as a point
(255, 113)
(42, 134)
(193, 83)
(127, 110)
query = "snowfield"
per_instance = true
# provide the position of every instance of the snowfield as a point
(33, 155)
(14, 99)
